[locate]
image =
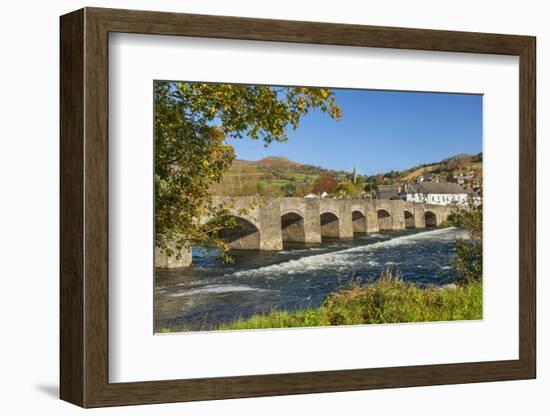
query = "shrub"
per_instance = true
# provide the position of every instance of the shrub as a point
(469, 252)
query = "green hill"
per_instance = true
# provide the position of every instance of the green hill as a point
(280, 176)
(271, 176)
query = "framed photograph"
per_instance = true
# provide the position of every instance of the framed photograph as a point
(255, 207)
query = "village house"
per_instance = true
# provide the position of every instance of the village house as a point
(463, 178)
(439, 193)
(430, 177)
(388, 192)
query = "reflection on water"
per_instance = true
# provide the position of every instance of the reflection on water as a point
(210, 292)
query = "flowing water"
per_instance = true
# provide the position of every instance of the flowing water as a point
(211, 293)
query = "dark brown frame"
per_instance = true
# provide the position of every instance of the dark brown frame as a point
(84, 208)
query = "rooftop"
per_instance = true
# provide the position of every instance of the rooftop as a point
(435, 188)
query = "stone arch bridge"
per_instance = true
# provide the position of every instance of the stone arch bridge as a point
(270, 222)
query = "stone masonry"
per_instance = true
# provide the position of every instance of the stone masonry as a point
(270, 222)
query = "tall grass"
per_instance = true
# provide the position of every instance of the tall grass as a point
(388, 300)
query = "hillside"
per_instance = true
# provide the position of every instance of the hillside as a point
(280, 176)
(275, 161)
(272, 176)
(456, 164)
(436, 167)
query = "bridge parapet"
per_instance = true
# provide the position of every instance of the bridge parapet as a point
(270, 222)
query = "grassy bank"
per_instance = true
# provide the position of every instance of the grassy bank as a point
(389, 300)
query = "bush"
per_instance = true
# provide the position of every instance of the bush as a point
(469, 260)
(446, 223)
(469, 252)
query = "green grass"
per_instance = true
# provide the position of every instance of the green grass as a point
(163, 330)
(389, 300)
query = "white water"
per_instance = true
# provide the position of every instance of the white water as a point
(342, 259)
(218, 289)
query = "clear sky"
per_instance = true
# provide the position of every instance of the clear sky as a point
(380, 131)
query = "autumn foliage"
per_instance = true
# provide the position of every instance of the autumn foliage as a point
(193, 125)
(325, 183)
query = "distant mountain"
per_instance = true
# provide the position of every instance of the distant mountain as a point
(276, 161)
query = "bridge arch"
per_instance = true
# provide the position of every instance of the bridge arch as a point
(293, 227)
(430, 219)
(359, 221)
(244, 236)
(292, 211)
(330, 225)
(385, 219)
(409, 219)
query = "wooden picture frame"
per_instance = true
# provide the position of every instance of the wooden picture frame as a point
(84, 207)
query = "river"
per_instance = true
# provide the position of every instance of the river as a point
(210, 292)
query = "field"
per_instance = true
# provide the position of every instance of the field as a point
(272, 176)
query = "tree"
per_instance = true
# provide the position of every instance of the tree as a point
(193, 124)
(346, 189)
(393, 175)
(325, 183)
(469, 252)
(289, 189)
(302, 190)
(370, 187)
(378, 179)
(267, 189)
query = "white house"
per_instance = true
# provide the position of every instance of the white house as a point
(439, 193)
(429, 177)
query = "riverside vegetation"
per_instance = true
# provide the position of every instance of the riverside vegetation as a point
(388, 300)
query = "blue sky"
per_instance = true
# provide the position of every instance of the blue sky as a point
(380, 131)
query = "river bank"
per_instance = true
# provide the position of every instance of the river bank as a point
(388, 300)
